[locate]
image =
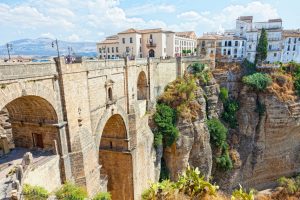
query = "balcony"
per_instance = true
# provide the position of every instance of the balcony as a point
(150, 45)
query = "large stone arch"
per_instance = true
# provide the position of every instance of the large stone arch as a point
(114, 109)
(115, 158)
(12, 91)
(33, 121)
(142, 86)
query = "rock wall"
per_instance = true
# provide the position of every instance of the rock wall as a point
(268, 146)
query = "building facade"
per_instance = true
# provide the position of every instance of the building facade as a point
(155, 43)
(291, 46)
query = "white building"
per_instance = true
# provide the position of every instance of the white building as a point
(245, 27)
(147, 43)
(233, 47)
(291, 46)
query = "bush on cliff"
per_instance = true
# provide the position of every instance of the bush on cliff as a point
(241, 194)
(190, 185)
(34, 192)
(258, 81)
(217, 131)
(102, 196)
(69, 191)
(229, 113)
(165, 119)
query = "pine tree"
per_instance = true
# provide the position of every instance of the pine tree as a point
(262, 47)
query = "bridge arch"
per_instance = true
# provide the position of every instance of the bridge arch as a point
(142, 86)
(115, 158)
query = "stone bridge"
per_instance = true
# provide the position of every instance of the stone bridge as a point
(93, 114)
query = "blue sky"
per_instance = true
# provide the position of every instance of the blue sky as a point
(92, 20)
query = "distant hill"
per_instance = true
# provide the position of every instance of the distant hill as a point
(41, 47)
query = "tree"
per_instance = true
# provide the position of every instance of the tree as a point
(262, 47)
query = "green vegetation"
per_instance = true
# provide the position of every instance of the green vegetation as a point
(290, 185)
(197, 67)
(165, 119)
(34, 192)
(102, 196)
(262, 47)
(223, 94)
(218, 137)
(258, 81)
(70, 191)
(230, 108)
(190, 184)
(229, 114)
(218, 132)
(180, 95)
(241, 194)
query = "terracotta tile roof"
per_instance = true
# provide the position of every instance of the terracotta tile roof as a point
(246, 18)
(131, 30)
(275, 20)
(188, 34)
(291, 33)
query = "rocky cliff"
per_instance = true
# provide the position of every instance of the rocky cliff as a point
(263, 147)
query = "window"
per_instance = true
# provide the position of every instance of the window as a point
(107, 49)
(270, 47)
(275, 54)
(229, 43)
(236, 43)
(140, 40)
(288, 48)
(225, 43)
(117, 49)
(243, 43)
(211, 52)
(203, 43)
(298, 39)
(224, 52)
(140, 49)
(130, 39)
(123, 40)
(113, 50)
(99, 50)
(294, 48)
(110, 97)
(295, 40)
(235, 51)
(108, 56)
(250, 46)
(127, 49)
(289, 40)
(151, 36)
(229, 52)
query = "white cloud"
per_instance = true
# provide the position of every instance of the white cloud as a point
(226, 18)
(73, 37)
(48, 35)
(150, 9)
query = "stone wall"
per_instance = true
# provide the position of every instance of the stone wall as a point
(45, 174)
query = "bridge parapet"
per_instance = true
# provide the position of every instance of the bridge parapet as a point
(12, 71)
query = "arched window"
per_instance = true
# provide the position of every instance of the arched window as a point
(110, 96)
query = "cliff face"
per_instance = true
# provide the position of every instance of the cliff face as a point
(193, 147)
(267, 145)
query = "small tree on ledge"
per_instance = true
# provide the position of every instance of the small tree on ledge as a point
(262, 47)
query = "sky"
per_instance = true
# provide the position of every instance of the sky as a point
(93, 20)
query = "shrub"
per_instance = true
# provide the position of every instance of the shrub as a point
(258, 81)
(190, 183)
(223, 94)
(34, 192)
(241, 194)
(197, 67)
(70, 191)
(165, 119)
(217, 131)
(229, 114)
(224, 161)
(102, 196)
(289, 184)
(158, 139)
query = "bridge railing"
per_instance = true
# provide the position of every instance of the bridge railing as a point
(26, 70)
